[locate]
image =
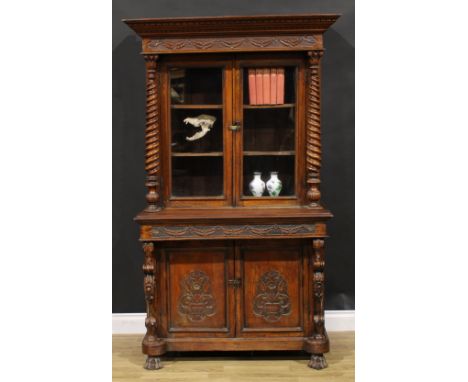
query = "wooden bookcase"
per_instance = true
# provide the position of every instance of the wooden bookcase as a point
(223, 269)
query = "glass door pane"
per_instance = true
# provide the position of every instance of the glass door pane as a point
(196, 102)
(269, 128)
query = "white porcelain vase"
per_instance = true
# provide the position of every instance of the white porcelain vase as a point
(274, 184)
(257, 185)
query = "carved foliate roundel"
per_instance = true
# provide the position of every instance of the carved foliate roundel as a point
(196, 301)
(272, 299)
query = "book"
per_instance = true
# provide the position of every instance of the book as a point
(273, 86)
(252, 88)
(259, 85)
(280, 86)
(266, 86)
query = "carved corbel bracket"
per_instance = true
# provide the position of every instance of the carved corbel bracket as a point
(318, 342)
(318, 265)
(152, 345)
(149, 288)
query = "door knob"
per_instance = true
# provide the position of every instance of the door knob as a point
(236, 126)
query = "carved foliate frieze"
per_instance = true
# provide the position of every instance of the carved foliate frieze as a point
(235, 231)
(272, 300)
(169, 45)
(196, 301)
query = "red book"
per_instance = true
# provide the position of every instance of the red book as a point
(280, 86)
(259, 85)
(266, 86)
(252, 89)
(273, 86)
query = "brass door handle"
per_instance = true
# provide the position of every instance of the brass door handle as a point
(235, 283)
(236, 126)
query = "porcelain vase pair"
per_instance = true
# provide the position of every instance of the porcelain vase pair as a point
(273, 185)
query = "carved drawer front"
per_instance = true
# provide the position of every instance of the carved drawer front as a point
(199, 300)
(271, 297)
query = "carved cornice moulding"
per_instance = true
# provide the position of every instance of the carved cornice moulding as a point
(232, 25)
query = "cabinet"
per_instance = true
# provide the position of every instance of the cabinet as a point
(233, 233)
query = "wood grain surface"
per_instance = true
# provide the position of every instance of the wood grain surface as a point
(252, 291)
(233, 367)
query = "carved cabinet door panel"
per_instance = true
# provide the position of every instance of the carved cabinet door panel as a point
(271, 298)
(199, 299)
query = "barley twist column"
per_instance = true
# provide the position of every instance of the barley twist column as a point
(314, 148)
(152, 134)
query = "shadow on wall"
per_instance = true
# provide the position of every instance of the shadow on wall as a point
(128, 174)
(337, 173)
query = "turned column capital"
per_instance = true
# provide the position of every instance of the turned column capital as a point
(150, 59)
(314, 56)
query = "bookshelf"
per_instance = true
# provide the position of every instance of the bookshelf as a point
(234, 230)
(208, 154)
(188, 107)
(271, 153)
(283, 106)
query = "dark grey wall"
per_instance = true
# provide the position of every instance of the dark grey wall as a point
(128, 137)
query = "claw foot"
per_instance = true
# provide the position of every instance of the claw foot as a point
(153, 363)
(317, 361)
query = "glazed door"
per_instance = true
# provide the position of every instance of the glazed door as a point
(200, 300)
(197, 97)
(220, 134)
(272, 298)
(269, 110)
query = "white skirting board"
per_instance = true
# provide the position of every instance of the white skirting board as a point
(134, 323)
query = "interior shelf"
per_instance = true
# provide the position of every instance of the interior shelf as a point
(203, 106)
(282, 106)
(208, 154)
(269, 153)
